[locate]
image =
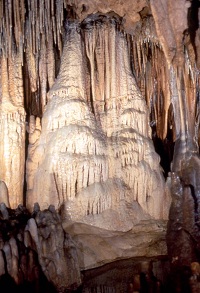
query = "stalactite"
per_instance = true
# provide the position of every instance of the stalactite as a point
(43, 73)
(152, 74)
(191, 88)
(30, 30)
(39, 27)
(12, 124)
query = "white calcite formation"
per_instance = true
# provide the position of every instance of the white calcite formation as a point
(95, 157)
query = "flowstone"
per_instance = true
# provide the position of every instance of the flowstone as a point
(96, 160)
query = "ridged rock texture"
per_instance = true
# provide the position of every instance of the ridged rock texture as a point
(95, 153)
(12, 129)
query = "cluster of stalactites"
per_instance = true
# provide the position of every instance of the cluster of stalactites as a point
(24, 22)
(163, 84)
(32, 29)
(151, 72)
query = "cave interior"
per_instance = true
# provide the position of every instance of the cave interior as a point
(99, 146)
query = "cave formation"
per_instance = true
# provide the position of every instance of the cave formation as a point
(99, 144)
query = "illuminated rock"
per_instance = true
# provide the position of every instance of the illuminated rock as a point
(96, 153)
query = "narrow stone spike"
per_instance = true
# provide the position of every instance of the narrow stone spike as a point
(54, 29)
(10, 10)
(139, 57)
(16, 25)
(135, 58)
(41, 16)
(50, 61)
(43, 72)
(22, 10)
(52, 7)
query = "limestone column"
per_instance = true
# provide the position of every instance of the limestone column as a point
(12, 128)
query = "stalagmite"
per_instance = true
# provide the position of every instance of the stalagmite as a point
(80, 138)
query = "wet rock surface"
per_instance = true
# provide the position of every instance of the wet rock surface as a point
(35, 251)
(183, 230)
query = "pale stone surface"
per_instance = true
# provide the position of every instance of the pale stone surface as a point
(97, 246)
(34, 130)
(12, 129)
(95, 152)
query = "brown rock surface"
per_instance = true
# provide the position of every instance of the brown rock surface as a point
(32, 247)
